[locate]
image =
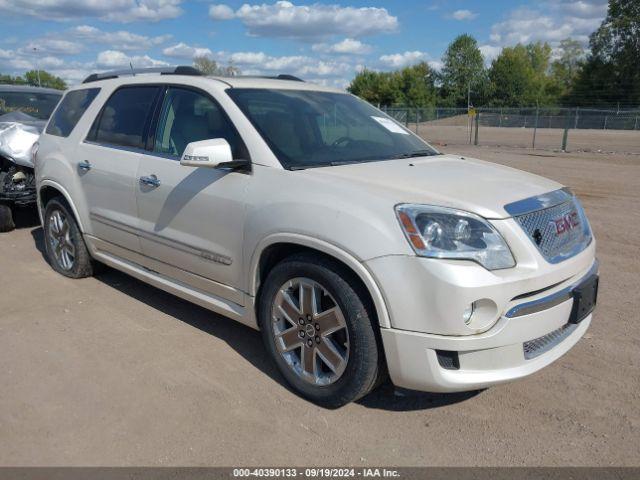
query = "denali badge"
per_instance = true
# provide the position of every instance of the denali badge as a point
(566, 222)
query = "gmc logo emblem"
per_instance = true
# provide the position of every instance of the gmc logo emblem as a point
(566, 222)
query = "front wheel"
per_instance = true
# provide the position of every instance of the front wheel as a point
(317, 325)
(6, 218)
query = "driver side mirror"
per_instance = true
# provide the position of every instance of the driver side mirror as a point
(212, 153)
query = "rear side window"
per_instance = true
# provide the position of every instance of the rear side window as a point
(68, 113)
(124, 118)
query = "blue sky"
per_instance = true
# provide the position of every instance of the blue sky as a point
(326, 42)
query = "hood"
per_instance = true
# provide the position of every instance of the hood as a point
(16, 141)
(452, 181)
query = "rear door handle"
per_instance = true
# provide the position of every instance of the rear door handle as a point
(84, 166)
(151, 181)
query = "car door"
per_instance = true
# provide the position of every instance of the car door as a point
(192, 219)
(108, 162)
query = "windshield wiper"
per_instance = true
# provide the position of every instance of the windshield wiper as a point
(336, 163)
(309, 165)
(417, 153)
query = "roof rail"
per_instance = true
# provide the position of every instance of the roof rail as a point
(179, 70)
(285, 76)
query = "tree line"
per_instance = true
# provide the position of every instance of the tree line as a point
(523, 75)
(35, 78)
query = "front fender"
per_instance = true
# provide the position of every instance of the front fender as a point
(325, 247)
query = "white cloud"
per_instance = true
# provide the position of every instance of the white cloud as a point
(249, 58)
(284, 19)
(182, 50)
(259, 63)
(52, 46)
(346, 46)
(436, 64)
(463, 15)
(398, 60)
(221, 12)
(17, 63)
(551, 21)
(118, 40)
(490, 53)
(116, 59)
(111, 10)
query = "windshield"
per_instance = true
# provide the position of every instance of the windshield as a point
(36, 104)
(314, 129)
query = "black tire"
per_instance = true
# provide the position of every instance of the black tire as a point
(6, 218)
(82, 265)
(365, 365)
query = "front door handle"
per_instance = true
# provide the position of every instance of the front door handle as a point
(150, 181)
(84, 166)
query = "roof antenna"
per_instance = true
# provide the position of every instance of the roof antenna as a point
(132, 72)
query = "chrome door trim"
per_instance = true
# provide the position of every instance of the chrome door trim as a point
(183, 247)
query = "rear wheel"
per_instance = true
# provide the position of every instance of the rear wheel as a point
(316, 325)
(65, 247)
(6, 218)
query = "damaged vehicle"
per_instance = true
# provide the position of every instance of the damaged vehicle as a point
(24, 111)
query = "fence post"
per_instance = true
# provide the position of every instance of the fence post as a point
(635, 126)
(577, 116)
(535, 128)
(500, 121)
(406, 119)
(565, 134)
(475, 140)
(606, 117)
(417, 119)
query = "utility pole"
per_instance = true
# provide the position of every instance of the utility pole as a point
(35, 51)
(469, 119)
(535, 127)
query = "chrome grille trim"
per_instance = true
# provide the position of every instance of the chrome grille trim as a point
(539, 202)
(540, 227)
(551, 300)
(536, 347)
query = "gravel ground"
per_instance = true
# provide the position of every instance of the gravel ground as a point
(607, 141)
(110, 371)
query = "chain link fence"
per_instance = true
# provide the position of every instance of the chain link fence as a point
(569, 129)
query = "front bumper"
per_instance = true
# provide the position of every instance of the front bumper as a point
(528, 309)
(483, 361)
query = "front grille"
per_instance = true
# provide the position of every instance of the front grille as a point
(536, 347)
(558, 232)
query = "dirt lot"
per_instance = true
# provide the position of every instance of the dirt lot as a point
(109, 371)
(599, 141)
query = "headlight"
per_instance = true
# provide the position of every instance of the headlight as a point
(440, 232)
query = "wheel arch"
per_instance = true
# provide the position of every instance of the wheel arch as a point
(48, 190)
(279, 246)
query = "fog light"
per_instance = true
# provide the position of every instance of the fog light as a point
(468, 313)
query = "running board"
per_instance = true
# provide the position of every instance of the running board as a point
(179, 289)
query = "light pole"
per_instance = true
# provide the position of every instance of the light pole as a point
(35, 52)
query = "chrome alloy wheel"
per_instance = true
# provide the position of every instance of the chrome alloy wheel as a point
(59, 236)
(310, 331)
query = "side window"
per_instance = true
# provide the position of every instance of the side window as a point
(68, 113)
(124, 117)
(188, 116)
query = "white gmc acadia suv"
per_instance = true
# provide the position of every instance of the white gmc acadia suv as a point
(355, 247)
